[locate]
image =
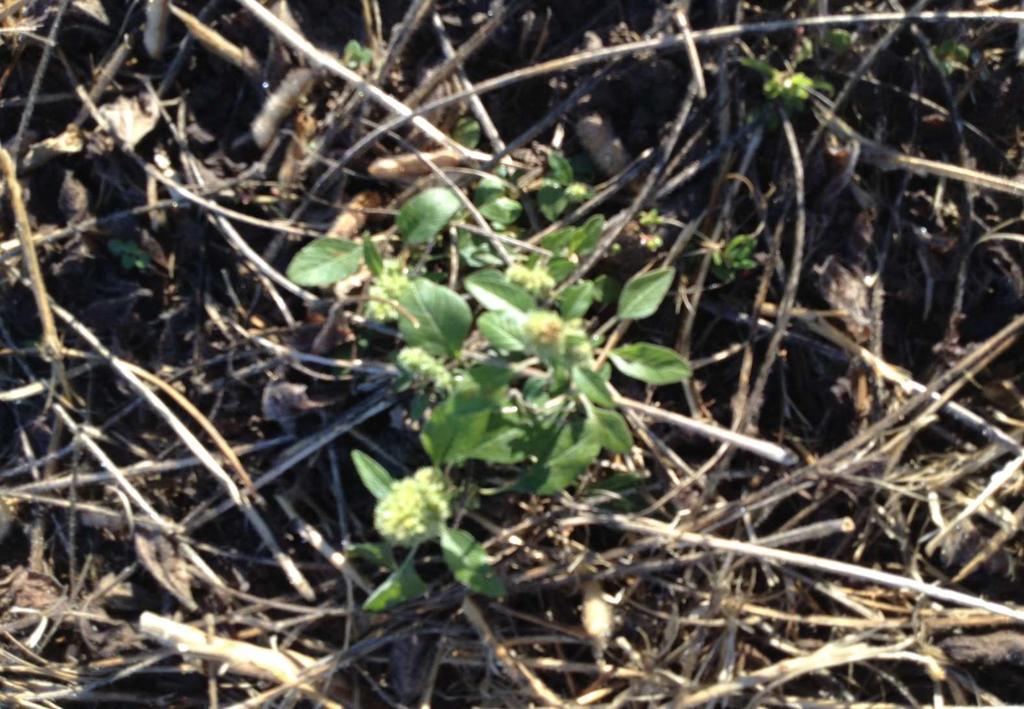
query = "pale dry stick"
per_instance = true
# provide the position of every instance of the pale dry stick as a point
(683, 22)
(885, 158)
(312, 536)
(830, 655)
(475, 104)
(37, 78)
(319, 58)
(401, 34)
(808, 561)
(106, 75)
(199, 417)
(761, 448)
(859, 71)
(154, 37)
(115, 472)
(217, 44)
(141, 469)
(284, 666)
(813, 531)
(956, 411)
(50, 346)
(670, 43)
(237, 498)
(38, 388)
(755, 398)
(536, 686)
(369, 407)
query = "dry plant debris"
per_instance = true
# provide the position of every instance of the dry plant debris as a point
(511, 352)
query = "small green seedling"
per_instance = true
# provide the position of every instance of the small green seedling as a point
(734, 258)
(356, 56)
(790, 88)
(559, 188)
(130, 254)
(952, 55)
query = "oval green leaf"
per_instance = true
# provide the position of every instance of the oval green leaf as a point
(642, 295)
(495, 292)
(425, 215)
(442, 318)
(403, 585)
(502, 330)
(592, 386)
(503, 211)
(324, 262)
(650, 363)
(375, 476)
(469, 563)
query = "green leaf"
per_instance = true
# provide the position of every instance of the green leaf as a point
(403, 585)
(642, 295)
(372, 256)
(495, 292)
(614, 431)
(650, 363)
(377, 553)
(375, 476)
(561, 171)
(487, 190)
(467, 132)
(551, 200)
(608, 289)
(563, 452)
(586, 237)
(559, 239)
(502, 330)
(424, 216)
(592, 386)
(457, 426)
(502, 210)
(766, 69)
(575, 301)
(442, 318)
(503, 443)
(324, 262)
(469, 563)
(560, 268)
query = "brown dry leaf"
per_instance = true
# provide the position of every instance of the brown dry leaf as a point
(989, 649)
(847, 290)
(70, 142)
(158, 555)
(352, 217)
(410, 165)
(28, 589)
(131, 118)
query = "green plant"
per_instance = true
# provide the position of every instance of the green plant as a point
(952, 55)
(790, 88)
(735, 257)
(356, 56)
(508, 390)
(130, 254)
(559, 188)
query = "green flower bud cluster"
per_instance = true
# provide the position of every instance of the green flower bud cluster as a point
(555, 340)
(390, 285)
(415, 509)
(424, 367)
(534, 279)
(577, 192)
